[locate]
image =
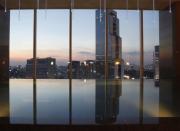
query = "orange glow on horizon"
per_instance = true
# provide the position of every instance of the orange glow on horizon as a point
(23, 55)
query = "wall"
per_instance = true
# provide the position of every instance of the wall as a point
(4, 45)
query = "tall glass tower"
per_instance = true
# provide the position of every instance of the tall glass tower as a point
(114, 44)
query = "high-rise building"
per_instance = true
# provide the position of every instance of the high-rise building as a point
(156, 64)
(75, 69)
(45, 68)
(88, 69)
(114, 47)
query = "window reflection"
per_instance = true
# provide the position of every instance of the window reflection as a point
(52, 101)
(151, 46)
(21, 101)
(107, 101)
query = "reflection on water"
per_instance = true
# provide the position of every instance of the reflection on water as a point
(93, 102)
(83, 101)
(107, 100)
(21, 101)
(52, 102)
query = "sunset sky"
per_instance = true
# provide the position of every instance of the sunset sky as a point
(53, 35)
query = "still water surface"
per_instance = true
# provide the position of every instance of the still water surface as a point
(93, 102)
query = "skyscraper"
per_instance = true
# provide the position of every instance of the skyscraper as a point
(156, 65)
(114, 44)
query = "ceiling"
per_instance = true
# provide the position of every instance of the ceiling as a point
(87, 4)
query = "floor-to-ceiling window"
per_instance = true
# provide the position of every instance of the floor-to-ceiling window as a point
(151, 66)
(52, 61)
(129, 29)
(105, 66)
(83, 66)
(21, 49)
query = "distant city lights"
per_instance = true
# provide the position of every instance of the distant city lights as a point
(91, 62)
(85, 63)
(127, 63)
(126, 77)
(117, 63)
(85, 80)
(52, 63)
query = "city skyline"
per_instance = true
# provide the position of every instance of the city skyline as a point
(82, 64)
(83, 38)
(129, 58)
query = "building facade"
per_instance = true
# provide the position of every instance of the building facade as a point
(156, 63)
(114, 44)
(46, 68)
(75, 70)
(88, 69)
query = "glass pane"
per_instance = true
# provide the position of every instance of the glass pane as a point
(129, 100)
(130, 33)
(21, 43)
(83, 66)
(168, 89)
(52, 61)
(21, 101)
(52, 101)
(108, 69)
(151, 66)
(52, 44)
(21, 49)
(83, 47)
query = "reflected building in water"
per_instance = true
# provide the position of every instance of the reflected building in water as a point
(107, 100)
(114, 44)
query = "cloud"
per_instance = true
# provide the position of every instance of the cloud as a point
(85, 53)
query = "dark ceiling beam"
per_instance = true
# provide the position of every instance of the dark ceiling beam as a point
(87, 4)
